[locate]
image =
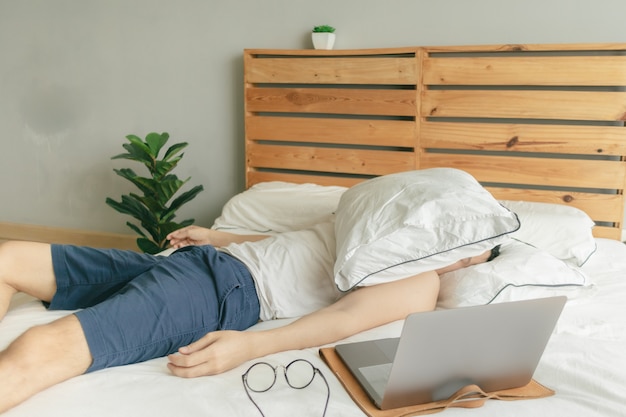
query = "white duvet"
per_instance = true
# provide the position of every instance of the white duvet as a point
(584, 362)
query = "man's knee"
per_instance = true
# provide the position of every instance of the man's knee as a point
(41, 357)
(61, 342)
(6, 258)
(27, 267)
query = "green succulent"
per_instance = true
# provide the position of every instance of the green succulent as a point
(323, 28)
(153, 209)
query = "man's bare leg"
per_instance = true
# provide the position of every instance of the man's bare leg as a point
(41, 357)
(25, 267)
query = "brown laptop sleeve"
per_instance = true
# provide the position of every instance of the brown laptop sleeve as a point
(470, 396)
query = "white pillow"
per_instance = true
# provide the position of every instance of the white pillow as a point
(279, 207)
(520, 272)
(563, 231)
(399, 225)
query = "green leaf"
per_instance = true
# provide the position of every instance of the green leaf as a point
(118, 206)
(148, 246)
(156, 141)
(134, 154)
(127, 173)
(128, 206)
(169, 227)
(152, 226)
(132, 207)
(138, 150)
(138, 144)
(151, 204)
(167, 187)
(127, 156)
(136, 229)
(182, 199)
(163, 167)
(174, 149)
(146, 185)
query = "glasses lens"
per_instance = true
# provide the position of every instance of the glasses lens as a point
(260, 377)
(299, 373)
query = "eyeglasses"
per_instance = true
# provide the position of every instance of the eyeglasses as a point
(299, 374)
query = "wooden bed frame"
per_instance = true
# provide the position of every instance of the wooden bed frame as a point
(530, 122)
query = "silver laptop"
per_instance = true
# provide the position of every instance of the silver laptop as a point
(496, 346)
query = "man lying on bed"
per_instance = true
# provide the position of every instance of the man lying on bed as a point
(193, 304)
(190, 305)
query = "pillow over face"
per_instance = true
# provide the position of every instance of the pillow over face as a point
(400, 225)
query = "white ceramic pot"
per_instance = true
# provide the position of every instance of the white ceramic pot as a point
(323, 40)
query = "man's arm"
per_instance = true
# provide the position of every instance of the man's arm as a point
(195, 235)
(362, 309)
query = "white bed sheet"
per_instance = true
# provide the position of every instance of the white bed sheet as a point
(585, 363)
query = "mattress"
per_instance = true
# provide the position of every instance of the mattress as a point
(584, 362)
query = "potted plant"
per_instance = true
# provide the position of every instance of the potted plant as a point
(323, 37)
(152, 210)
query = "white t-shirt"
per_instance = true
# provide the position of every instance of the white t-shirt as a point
(293, 271)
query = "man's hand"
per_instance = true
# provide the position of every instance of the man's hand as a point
(195, 235)
(213, 354)
(190, 236)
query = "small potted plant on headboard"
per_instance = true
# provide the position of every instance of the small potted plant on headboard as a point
(153, 209)
(323, 37)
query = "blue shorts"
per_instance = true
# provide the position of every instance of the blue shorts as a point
(135, 307)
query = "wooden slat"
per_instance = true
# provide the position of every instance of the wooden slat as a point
(607, 232)
(340, 131)
(255, 177)
(600, 207)
(332, 101)
(340, 70)
(566, 105)
(254, 53)
(533, 171)
(549, 47)
(539, 71)
(607, 140)
(351, 161)
(554, 47)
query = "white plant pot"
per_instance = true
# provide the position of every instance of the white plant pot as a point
(323, 40)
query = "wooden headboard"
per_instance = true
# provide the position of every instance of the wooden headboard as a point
(530, 122)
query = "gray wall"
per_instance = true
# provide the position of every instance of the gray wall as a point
(76, 76)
